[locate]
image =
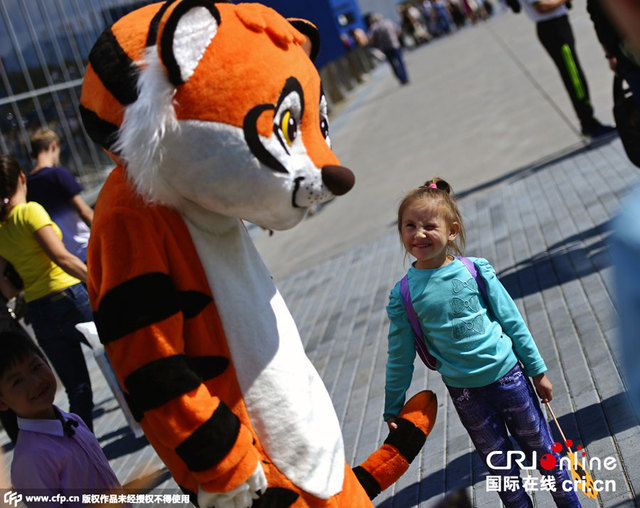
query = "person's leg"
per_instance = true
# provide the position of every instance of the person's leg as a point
(489, 434)
(523, 415)
(557, 38)
(391, 55)
(53, 322)
(402, 70)
(631, 73)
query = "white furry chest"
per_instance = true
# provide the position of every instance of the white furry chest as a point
(287, 402)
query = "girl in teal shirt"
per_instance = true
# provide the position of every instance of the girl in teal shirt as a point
(485, 356)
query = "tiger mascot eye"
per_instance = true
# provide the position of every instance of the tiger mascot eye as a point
(214, 114)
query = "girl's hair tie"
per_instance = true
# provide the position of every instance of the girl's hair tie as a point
(5, 201)
(433, 186)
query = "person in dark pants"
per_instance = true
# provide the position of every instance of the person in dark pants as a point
(556, 36)
(383, 35)
(623, 56)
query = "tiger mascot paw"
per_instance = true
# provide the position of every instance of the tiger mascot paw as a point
(242, 496)
(387, 464)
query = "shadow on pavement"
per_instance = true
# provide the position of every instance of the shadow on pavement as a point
(540, 164)
(126, 445)
(589, 424)
(573, 258)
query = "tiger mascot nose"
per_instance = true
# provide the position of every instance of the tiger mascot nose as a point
(338, 179)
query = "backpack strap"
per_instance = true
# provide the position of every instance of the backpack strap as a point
(418, 337)
(471, 266)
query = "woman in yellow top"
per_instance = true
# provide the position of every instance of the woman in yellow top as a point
(56, 298)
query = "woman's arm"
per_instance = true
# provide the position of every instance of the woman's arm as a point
(84, 210)
(7, 289)
(55, 249)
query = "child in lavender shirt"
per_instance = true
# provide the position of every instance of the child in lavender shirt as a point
(55, 453)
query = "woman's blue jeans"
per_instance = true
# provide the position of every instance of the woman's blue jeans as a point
(53, 318)
(510, 403)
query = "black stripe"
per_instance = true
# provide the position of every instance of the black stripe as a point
(161, 381)
(193, 302)
(368, 482)
(155, 22)
(276, 497)
(208, 367)
(407, 438)
(114, 68)
(102, 132)
(142, 301)
(135, 411)
(212, 441)
(135, 304)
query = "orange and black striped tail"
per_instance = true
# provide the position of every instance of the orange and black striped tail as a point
(389, 462)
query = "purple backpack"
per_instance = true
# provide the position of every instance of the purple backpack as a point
(421, 345)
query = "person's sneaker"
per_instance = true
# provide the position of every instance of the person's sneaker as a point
(597, 130)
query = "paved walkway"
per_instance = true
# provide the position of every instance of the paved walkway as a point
(537, 202)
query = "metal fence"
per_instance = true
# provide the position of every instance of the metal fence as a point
(44, 48)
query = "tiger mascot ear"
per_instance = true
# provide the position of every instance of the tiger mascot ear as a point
(309, 30)
(184, 37)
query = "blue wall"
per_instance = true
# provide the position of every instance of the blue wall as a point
(324, 14)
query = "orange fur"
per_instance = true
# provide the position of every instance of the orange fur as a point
(168, 346)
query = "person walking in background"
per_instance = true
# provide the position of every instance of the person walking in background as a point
(52, 277)
(556, 36)
(57, 190)
(384, 35)
(474, 336)
(623, 55)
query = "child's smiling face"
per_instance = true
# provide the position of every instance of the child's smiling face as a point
(426, 233)
(29, 388)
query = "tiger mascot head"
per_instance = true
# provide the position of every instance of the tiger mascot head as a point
(217, 106)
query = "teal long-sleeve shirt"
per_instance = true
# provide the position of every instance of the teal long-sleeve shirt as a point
(472, 347)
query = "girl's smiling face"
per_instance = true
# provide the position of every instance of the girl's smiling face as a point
(426, 233)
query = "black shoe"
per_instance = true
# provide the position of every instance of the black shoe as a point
(597, 130)
(514, 5)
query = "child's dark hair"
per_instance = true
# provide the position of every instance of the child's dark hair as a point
(15, 347)
(440, 192)
(9, 174)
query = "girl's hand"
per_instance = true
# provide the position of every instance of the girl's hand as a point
(391, 423)
(543, 387)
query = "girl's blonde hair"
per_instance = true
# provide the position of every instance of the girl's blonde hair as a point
(440, 193)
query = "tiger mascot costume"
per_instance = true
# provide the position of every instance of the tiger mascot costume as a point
(215, 114)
